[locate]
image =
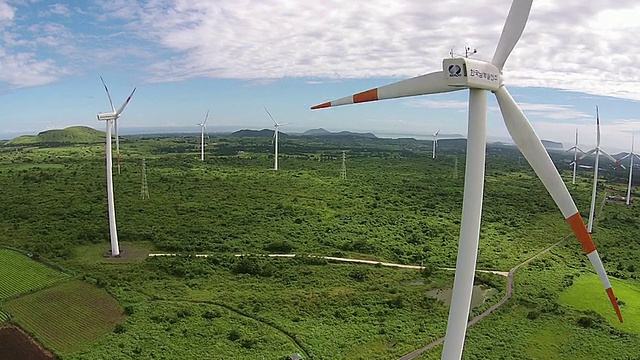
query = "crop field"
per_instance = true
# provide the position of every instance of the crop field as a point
(20, 274)
(68, 316)
(3, 316)
(396, 205)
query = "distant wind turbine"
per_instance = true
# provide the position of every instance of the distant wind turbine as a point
(435, 143)
(480, 77)
(112, 118)
(575, 157)
(203, 129)
(632, 155)
(276, 125)
(597, 150)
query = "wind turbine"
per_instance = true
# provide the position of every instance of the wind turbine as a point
(480, 77)
(111, 118)
(275, 136)
(435, 143)
(631, 154)
(115, 124)
(203, 129)
(597, 150)
(575, 157)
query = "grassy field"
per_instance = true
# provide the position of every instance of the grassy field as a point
(20, 274)
(68, 316)
(586, 294)
(397, 205)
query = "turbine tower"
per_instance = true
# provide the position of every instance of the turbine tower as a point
(110, 118)
(480, 77)
(575, 149)
(631, 154)
(144, 192)
(597, 150)
(435, 143)
(203, 129)
(275, 136)
(343, 170)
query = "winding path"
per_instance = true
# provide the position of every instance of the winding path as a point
(412, 355)
(507, 296)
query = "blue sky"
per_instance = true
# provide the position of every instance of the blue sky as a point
(235, 57)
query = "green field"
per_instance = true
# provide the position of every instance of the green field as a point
(68, 316)
(20, 274)
(586, 294)
(396, 205)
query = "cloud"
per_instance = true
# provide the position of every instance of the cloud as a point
(567, 45)
(7, 12)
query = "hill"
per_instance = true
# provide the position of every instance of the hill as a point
(256, 133)
(548, 144)
(323, 132)
(70, 135)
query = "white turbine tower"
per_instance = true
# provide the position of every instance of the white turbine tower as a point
(597, 150)
(275, 136)
(632, 155)
(203, 129)
(435, 143)
(480, 77)
(111, 118)
(575, 149)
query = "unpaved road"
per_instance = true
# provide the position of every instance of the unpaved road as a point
(414, 354)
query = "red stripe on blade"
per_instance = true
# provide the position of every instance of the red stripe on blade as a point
(325, 105)
(577, 225)
(614, 302)
(369, 95)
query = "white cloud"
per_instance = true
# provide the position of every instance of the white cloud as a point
(569, 44)
(7, 12)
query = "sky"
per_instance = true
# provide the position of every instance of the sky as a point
(235, 57)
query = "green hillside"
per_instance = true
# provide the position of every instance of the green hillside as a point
(70, 135)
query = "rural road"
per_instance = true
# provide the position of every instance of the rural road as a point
(420, 351)
(507, 296)
(354, 261)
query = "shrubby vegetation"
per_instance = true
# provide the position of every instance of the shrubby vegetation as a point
(397, 205)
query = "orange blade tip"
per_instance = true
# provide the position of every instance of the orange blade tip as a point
(614, 302)
(321, 106)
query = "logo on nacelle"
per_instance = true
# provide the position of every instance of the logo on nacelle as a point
(455, 70)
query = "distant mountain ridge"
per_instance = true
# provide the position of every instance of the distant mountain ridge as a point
(70, 135)
(323, 132)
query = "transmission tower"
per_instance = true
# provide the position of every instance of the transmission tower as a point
(343, 171)
(144, 192)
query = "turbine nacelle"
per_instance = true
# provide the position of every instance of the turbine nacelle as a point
(107, 116)
(471, 73)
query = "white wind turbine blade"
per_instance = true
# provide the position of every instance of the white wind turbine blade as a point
(115, 123)
(432, 83)
(598, 128)
(617, 162)
(206, 117)
(109, 95)
(125, 103)
(588, 153)
(531, 147)
(513, 28)
(576, 148)
(274, 120)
